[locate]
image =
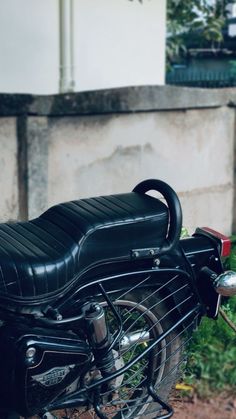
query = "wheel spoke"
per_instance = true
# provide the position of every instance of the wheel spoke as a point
(145, 315)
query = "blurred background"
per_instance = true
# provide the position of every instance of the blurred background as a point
(96, 96)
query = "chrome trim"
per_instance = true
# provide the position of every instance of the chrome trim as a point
(132, 338)
(225, 284)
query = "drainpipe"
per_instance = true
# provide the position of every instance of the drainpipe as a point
(66, 30)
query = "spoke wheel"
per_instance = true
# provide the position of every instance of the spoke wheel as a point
(145, 316)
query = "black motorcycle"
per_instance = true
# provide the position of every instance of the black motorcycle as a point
(98, 300)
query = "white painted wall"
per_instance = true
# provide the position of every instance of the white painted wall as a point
(117, 43)
(29, 50)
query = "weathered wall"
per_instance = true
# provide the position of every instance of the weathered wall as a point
(9, 207)
(103, 142)
(192, 150)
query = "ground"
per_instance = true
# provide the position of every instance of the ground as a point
(220, 407)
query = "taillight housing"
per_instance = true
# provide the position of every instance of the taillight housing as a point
(224, 241)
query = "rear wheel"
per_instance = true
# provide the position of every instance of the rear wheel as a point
(145, 316)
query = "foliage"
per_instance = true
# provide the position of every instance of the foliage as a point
(202, 17)
(230, 262)
(212, 355)
(233, 67)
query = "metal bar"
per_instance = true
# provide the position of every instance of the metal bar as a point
(66, 40)
(195, 310)
(163, 404)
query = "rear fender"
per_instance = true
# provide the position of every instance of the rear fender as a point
(202, 250)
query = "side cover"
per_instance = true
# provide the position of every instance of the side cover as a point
(36, 367)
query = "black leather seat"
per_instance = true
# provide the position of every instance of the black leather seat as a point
(41, 256)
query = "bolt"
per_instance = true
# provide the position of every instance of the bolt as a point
(136, 254)
(156, 262)
(30, 352)
(152, 252)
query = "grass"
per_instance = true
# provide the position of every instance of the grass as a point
(211, 362)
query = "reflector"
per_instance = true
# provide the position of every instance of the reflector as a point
(224, 240)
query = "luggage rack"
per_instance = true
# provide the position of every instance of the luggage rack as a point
(135, 381)
(161, 409)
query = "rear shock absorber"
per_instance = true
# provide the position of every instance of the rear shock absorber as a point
(99, 338)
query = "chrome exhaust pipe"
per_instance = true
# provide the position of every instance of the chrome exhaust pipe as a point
(225, 284)
(134, 338)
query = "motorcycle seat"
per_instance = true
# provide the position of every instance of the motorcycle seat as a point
(40, 257)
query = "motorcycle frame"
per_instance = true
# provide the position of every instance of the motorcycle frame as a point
(196, 250)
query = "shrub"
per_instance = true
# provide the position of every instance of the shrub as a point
(212, 354)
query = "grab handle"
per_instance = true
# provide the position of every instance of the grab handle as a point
(174, 207)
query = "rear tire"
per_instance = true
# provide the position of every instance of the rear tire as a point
(165, 357)
(145, 315)
(140, 312)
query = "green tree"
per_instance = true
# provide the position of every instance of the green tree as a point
(203, 17)
(185, 17)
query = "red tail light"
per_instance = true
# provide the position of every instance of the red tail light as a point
(225, 241)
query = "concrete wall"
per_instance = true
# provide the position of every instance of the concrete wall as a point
(93, 143)
(191, 150)
(116, 43)
(9, 202)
